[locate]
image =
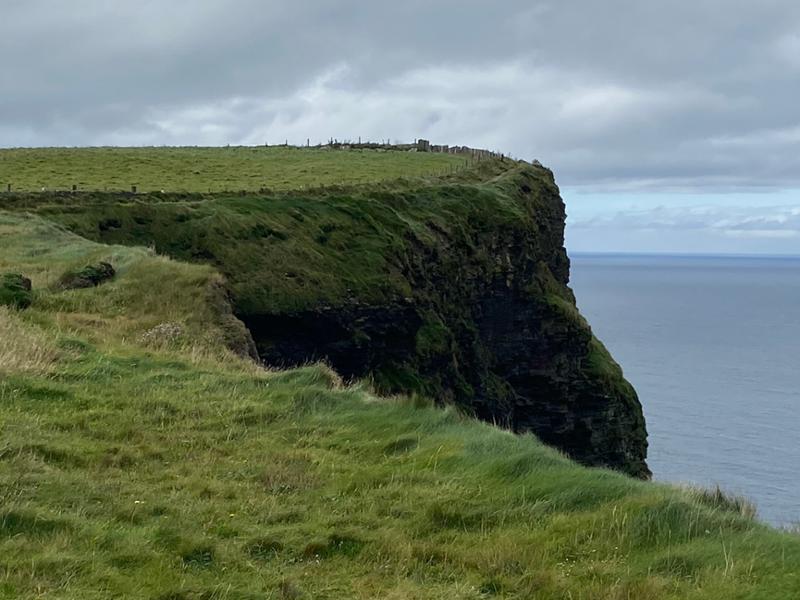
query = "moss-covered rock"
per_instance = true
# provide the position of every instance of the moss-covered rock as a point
(15, 291)
(88, 276)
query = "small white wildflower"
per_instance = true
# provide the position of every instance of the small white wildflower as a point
(162, 333)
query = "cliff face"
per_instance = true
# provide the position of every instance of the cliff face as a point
(456, 289)
(490, 325)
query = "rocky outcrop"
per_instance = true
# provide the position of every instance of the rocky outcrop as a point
(236, 336)
(88, 276)
(15, 291)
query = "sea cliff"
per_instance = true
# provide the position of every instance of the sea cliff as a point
(454, 288)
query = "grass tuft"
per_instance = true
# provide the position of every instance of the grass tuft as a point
(24, 348)
(718, 498)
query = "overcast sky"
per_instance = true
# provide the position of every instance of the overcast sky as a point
(671, 126)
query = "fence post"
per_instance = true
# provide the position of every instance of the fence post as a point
(9, 187)
(133, 189)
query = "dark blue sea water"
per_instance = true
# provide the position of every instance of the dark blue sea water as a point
(712, 345)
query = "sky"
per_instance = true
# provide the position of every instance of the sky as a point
(670, 126)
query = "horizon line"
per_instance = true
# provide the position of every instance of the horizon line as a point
(729, 255)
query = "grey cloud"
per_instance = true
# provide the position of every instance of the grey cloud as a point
(768, 221)
(614, 95)
(690, 229)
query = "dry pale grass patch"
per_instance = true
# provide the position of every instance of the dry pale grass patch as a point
(22, 347)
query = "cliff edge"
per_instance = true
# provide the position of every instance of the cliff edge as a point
(455, 288)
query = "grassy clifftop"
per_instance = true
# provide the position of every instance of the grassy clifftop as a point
(139, 466)
(193, 169)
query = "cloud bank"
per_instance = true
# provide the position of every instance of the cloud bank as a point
(691, 229)
(618, 95)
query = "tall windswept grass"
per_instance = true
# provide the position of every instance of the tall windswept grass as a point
(23, 348)
(718, 498)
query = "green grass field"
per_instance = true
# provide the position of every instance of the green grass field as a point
(141, 459)
(209, 169)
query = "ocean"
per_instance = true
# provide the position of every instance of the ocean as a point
(711, 346)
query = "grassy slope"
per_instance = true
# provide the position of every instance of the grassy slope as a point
(208, 169)
(179, 471)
